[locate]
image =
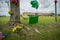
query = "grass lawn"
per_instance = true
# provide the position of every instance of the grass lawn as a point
(42, 19)
(49, 30)
(4, 20)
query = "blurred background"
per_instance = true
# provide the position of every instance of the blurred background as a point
(45, 6)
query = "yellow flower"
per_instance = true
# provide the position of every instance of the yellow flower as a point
(19, 27)
(10, 12)
(15, 28)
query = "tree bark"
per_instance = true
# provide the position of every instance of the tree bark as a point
(15, 18)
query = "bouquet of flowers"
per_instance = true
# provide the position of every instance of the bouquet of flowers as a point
(14, 1)
(17, 28)
(10, 12)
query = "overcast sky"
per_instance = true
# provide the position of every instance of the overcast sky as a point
(25, 6)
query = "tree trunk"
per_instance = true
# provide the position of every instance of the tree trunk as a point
(15, 18)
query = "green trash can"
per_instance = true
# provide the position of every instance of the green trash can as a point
(33, 19)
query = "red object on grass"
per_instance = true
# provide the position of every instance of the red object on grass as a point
(16, 1)
(55, 1)
(1, 36)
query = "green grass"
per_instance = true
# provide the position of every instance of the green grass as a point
(42, 19)
(4, 20)
(48, 28)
